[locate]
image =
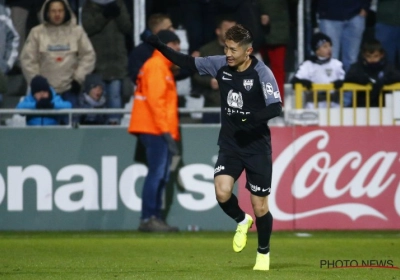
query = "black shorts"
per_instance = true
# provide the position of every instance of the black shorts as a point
(258, 170)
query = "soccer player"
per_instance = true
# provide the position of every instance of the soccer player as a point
(249, 98)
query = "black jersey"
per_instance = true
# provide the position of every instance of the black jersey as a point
(242, 92)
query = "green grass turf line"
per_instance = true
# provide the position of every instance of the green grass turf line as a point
(191, 255)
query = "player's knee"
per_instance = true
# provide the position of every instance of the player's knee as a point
(260, 212)
(260, 208)
(222, 196)
(222, 193)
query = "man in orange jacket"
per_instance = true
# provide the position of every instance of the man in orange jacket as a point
(155, 121)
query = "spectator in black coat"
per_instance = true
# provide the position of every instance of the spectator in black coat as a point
(372, 68)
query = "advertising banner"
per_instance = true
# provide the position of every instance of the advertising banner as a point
(334, 178)
(86, 179)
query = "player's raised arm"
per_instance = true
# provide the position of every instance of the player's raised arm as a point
(202, 65)
(180, 59)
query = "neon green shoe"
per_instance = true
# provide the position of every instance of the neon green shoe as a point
(240, 238)
(262, 262)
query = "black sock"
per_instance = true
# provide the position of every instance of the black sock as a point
(264, 230)
(232, 209)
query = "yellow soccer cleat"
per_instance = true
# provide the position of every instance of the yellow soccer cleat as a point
(240, 238)
(262, 262)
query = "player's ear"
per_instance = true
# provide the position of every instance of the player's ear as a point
(249, 50)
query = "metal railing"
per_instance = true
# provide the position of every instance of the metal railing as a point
(76, 112)
(355, 89)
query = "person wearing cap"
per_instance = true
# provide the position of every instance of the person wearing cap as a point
(43, 97)
(154, 120)
(93, 97)
(321, 68)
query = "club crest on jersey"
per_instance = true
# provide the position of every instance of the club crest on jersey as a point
(235, 99)
(328, 72)
(248, 84)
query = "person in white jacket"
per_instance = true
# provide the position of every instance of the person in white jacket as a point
(321, 68)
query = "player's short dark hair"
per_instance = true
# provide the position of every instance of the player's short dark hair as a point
(239, 34)
(372, 46)
(156, 19)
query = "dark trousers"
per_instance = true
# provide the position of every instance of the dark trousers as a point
(158, 162)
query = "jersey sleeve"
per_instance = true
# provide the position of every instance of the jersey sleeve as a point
(268, 84)
(210, 64)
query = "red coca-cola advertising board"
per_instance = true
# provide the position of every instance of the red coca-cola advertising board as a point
(333, 178)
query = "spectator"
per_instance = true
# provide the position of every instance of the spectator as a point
(107, 23)
(387, 29)
(275, 28)
(344, 22)
(60, 50)
(155, 121)
(141, 53)
(199, 19)
(93, 97)
(42, 96)
(372, 68)
(206, 85)
(9, 41)
(24, 15)
(321, 69)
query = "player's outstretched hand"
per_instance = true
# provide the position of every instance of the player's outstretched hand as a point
(153, 40)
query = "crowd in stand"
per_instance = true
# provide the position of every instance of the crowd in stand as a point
(91, 63)
(346, 50)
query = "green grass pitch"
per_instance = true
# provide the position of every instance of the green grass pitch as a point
(192, 255)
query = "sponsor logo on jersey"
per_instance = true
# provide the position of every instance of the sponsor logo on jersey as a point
(226, 78)
(248, 84)
(267, 89)
(235, 99)
(218, 169)
(226, 73)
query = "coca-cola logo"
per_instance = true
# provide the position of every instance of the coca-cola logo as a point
(370, 177)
